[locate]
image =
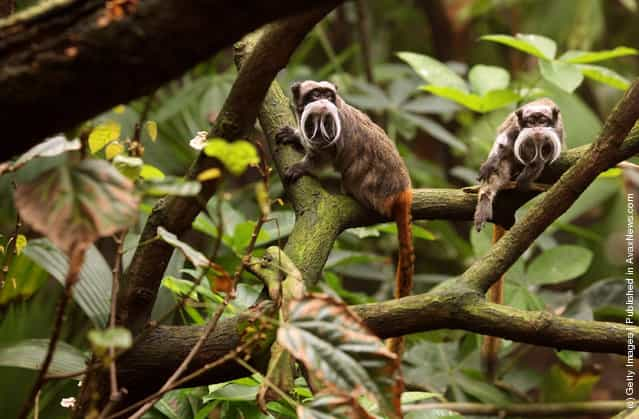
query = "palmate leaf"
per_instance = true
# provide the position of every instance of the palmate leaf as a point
(338, 350)
(76, 204)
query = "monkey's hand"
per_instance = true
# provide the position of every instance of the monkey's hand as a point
(289, 136)
(487, 168)
(294, 172)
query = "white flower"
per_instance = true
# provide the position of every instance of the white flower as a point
(68, 402)
(199, 141)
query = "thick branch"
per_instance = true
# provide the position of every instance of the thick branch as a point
(156, 356)
(61, 67)
(277, 43)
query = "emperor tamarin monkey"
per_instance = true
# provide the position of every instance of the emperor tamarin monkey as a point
(332, 131)
(528, 140)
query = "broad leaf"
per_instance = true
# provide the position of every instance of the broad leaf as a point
(559, 264)
(604, 75)
(338, 350)
(536, 45)
(30, 354)
(93, 290)
(566, 76)
(583, 57)
(149, 172)
(492, 100)
(433, 71)
(48, 148)
(77, 204)
(434, 129)
(102, 135)
(485, 78)
(130, 167)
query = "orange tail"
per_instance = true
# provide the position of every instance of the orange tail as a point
(406, 263)
(490, 346)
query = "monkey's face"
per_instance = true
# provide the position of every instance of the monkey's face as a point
(531, 116)
(316, 106)
(537, 143)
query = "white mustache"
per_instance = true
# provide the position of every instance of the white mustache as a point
(318, 110)
(526, 133)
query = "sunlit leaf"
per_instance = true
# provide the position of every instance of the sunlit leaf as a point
(21, 243)
(48, 148)
(583, 57)
(235, 156)
(113, 149)
(604, 75)
(116, 337)
(30, 354)
(561, 385)
(559, 264)
(76, 204)
(331, 341)
(128, 166)
(484, 78)
(152, 130)
(433, 71)
(149, 172)
(209, 174)
(573, 359)
(536, 45)
(566, 76)
(102, 135)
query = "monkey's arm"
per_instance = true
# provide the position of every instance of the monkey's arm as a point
(289, 136)
(501, 149)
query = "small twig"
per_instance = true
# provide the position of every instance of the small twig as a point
(75, 263)
(268, 382)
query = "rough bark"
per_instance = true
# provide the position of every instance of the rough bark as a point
(59, 66)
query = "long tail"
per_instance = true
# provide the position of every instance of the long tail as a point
(490, 347)
(406, 263)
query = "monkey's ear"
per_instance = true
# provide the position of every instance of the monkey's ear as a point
(555, 114)
(334, 86)
(295, 89)
(520, 116)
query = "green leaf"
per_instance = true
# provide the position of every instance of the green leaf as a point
(338, 350)
(30, 354)
(433, 71)
(102, 135)
(328, 406)
(149, 172)
(76, 204)
(485, 78)
(492, 100)
(583, 57)
(92, 292)
(48, 148)
(235, 156)
(604, 75)
(566, 76)
(536, 45)
(436, 130)
(21, 243)
(573, 359)
(559, 264)
(131, 167)
(116, 337)
(196, 258)
(564, 386)
(172, 186)
(113, 149)
(418, 231)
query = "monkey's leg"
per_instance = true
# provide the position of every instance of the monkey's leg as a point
(488, 191)
(491, 344)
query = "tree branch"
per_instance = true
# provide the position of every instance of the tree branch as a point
(60, 66)
(146, 366)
